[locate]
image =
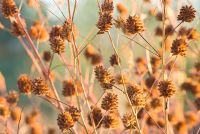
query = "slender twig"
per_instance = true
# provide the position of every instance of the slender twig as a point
(59, 9)
(20, 117)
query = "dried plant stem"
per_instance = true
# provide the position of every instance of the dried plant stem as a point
(43, 67)
(20, 117)
(149, 44)
(163, 64)
(126, 94)
(154, 121)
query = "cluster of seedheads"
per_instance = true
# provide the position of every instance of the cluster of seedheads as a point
(134, 99)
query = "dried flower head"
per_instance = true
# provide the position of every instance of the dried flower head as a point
(89, 52)
(179, 47)
(181, 127)
(24, 84)
(65, 121)
(155, 62)
(75, 113)
(47, 56)
(67, 29)
(133, 89)
(95, 116)
(110, 121)
(187, 13)
(96, 59)
(166, 88)
(17, 29)
(8, 8)
(129, 121)
(193, 34)
(110, 102)
(138, 100)
(105, 22)
(12, 97)
(191, 86)
(38, 31)
(39, 86)
(149, 81)
(114, 60)
(68, 88)
(57, 42)
(104, 77)
(107, 6)
(121, 80)
(134, 24)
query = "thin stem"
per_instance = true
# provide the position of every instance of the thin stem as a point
(126, 94)
(149, 44)
(20, 117)
(142, 46)
(173, 30)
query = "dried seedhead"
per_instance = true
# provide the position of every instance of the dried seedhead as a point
(65, 121)
(95, 116)
(187, 14)
(129, 121)
(39, 86)
(166, 88)
(8, 8)
(110, 121)
(68, 88)
(24, 84)
(110, 103)
(179, 47)
(75, 113)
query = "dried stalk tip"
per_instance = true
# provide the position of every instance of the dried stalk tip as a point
(114, 60)
(75, 113)
(134, 24)
(68, 88)
(17, 29)
(47, 56)
(166, 88)
(95, 117)
(110, 121)
(12, 98)
(179, 47)
(39, 86)
(129, 121)
(24, 84)
(104, 77)
(8, 8)
(110, 103)
(65, 121)
(187, 14)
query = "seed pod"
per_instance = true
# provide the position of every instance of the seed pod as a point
(12, 98)
(129, 121)
(114, 60)
(95, 116)
(47, 56)
(68, 88)
(17, 29)
(75, 113)
(110, 121)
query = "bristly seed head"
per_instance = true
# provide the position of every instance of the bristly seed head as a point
(166, 88)
(110, 103)
(24, 84)
(39, 86)
(75, 113)
(187, 13)
(68, 88)
(110, 121)
(179, 47)
(114, 60)
(129, 121)
(8, 8)
(104, 77)
(95, 117)
(65, 121)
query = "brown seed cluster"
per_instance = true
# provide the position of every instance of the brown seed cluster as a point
(110, 121)
(105, 16)
(92, 55)
(179, 47)
(12, 98)
(114, 60)
(104, 77)
(75, 113)
(67, 29)
(39, 86)
(187, 13)
(65, 121)
(110, 103)
(136, 95)
(56, 40)
(17, 29)
(95, 116)
(68, 88)
(129, 121)
(24, 84)
(134, 24)
(8, 8)
(38, 31)
(166, 88)
(47, 56)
